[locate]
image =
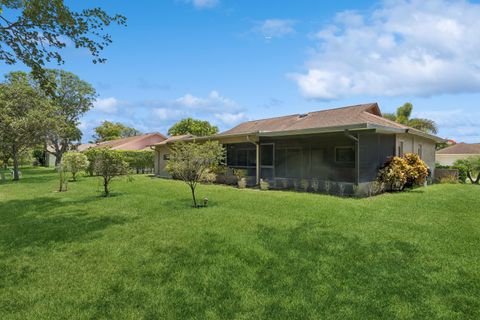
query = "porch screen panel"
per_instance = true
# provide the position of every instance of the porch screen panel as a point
(374, 151)
(288, 163)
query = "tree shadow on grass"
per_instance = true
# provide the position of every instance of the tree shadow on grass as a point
(302, 272)
(44, 221)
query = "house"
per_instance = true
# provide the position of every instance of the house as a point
(339, 149)
(141, 142)
(459, 151)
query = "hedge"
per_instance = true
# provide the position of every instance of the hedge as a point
(141, 161)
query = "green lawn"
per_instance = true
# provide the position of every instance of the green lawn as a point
(145, 254)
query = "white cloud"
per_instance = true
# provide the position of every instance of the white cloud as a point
(164, 114)
(457, 124)
(106, 105)
(201, 4)
(214, 102)
(405, 47)
(230, 118)
(276, 28)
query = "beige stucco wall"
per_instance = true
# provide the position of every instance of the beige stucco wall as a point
(411, 144)
(160, 162)
(449, 159)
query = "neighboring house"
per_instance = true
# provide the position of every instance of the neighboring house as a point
(162, 154)
(459, 151)
(340, 148)
(141, 142)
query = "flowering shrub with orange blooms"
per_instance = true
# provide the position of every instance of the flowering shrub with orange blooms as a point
(417, 172)
(399, 172)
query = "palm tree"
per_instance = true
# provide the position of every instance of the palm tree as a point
(403, 116)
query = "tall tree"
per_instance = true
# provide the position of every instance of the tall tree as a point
(71, 97)
(403, 116)
(35, 31)
(114, 130)
(194, 127)
(25, 115)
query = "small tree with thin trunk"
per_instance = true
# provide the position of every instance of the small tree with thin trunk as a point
(195, 162)
(472, 165)
(108, 165)
(74, 162)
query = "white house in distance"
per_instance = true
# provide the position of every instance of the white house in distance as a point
(459, 151)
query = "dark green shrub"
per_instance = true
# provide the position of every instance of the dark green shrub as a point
(142, 161)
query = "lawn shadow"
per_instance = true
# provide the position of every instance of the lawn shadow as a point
(46, 221)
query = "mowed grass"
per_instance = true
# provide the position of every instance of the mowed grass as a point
(144, 253)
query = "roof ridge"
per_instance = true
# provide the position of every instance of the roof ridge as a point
(365, 105)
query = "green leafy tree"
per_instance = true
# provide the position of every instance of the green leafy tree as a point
(113, 130)
(403, 116)
(74, 162)
(71, 97)
(108, 165)
(194, 127)
(195, 162)
(25, 115)
(472, 166)
(34, 32)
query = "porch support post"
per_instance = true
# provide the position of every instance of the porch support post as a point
(357, 160)
(257, 163)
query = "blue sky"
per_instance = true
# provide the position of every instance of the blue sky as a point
(229, 61)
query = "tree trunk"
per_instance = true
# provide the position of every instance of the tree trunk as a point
(469, 175)
(478, 179)
(193, 196)
(74, 176)
(16, 176)
(58, 158)
(105, 186)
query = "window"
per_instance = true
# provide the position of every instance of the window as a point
(345, 154)
(166, 156)
(288, 162)
(266, 154)
(241, 156)
(420, 151)
(400, 149)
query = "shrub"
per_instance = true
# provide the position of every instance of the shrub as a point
(471, 166)
(394, 173)
(241, 177)
(109, 164)
(264, 185)
(417, 172)
(399, 172)
(91, 154)
(74, 162)
(305, 184)
(140, 161)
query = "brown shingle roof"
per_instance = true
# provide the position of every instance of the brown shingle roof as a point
(133, 143)
(462, 148)
(173, 139)
(351, 115)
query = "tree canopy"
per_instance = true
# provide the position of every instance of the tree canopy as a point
(35, 31)
(114, 130)
(194, 127)
(403, 115)
(71, 97)
(25, 115)
(195, 162)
